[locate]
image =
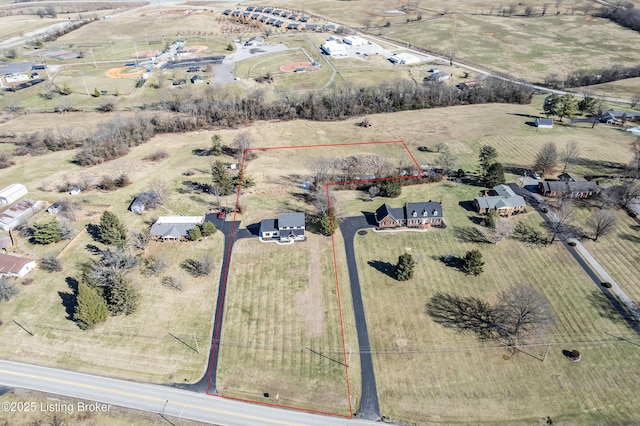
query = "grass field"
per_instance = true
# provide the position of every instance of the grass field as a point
(427, 373)
(620, 89)
(554, 44)
(281, 333)
(123, 346)
(618, 253)
(116, 416)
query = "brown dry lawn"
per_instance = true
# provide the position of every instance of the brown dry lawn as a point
(281, 333)
(428, 373)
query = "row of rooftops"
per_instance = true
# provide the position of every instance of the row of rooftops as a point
(292, 20)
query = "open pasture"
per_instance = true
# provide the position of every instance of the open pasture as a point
(529, 48)
(428, 373)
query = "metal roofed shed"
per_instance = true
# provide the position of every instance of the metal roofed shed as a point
(12, 193)
(18, 213)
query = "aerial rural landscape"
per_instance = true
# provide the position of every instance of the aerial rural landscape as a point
(319, 212)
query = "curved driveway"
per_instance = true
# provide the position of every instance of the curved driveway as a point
(369, 405)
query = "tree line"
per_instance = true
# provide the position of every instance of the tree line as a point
(215, 107)
(589, 77)
(623, 14)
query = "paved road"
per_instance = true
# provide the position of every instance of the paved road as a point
(164, 400)
(623, 304)
(369, 405)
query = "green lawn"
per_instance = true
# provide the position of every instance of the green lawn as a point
(281, 332)
(428, 373)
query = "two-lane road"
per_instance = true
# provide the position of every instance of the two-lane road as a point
(159, 399)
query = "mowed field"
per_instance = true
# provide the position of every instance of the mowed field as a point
(550, 44)
(281, 332)
(428, 373)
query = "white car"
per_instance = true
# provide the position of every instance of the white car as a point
(535, 176)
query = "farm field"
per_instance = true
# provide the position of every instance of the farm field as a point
(281, 333)
(619, 89)
(553, 44)
(428, 373)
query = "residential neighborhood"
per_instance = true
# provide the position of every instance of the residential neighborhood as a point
(319, 212)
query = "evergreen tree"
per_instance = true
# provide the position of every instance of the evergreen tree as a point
(195, 234)
(326, 222)
(220, 175)
(495, 175)
(391, 188)
(405, 267)
(122, 297)
(472, 263)
(90, 309)
(111, 230)
(47, 233)
(488, 156)
(588, 105)
(207, 228)
(216, 145)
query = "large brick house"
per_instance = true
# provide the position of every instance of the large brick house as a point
(568, 186)
(422, 215)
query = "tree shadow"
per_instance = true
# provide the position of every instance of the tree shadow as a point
(93, 231)
(462, 314)
(69, 299)
(470, 234)
(604, 307)
(449, 260)
(385, 267)
(477, 220)
(93, 249)
(566, 353)
(630, 237)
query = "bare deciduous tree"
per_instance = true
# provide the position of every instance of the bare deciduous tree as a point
(547, 159)
(446, 161)
(321, 169)
(560, 218)
(502, 229)
(603, 222)
(243, 142)
(521, 313)
(569, 155)
(635, 99)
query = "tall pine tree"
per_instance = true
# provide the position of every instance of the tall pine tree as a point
(90, 309)
(405, 267)
(111, 230)
(47, 233)
(122, 297)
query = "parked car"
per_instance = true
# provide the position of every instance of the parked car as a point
(535, 176)
(222, 214)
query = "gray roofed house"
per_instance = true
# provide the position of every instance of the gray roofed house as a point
(423, 215)
(288, 227)
(173, 228)
(612, 116)
(580, 189)
(505, 202)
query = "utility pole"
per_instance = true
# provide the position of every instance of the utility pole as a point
(196, 339)
(94, 59)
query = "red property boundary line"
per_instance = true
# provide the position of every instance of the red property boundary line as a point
(218, 325)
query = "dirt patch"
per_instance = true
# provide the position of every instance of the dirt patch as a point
(195, 49)
(125, 72)
(310, 303)
(146, 54)
(297, 67)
